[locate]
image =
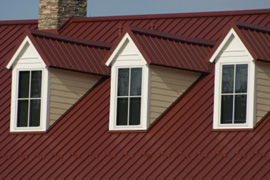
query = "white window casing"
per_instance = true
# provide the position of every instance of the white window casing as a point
(27, 58)
(127, 55)
(233, 52)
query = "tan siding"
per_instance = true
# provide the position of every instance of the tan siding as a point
(263, 89)
(166, 86)
(66, 87)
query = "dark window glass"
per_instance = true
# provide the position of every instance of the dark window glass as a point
(123, 82)
(135, 111)
(22, 118)
(28, 115)
(34, 113)
(122, 111)
(241, 78)
(226, 109)
(136, 81)
(36, 84)
(227, 78)
(23, 84)
(240, 109)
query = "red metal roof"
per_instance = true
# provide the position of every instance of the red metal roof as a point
(207, 26)
(10, 33)
(173, 51)
(181, 143)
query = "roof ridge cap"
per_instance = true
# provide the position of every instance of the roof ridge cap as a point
(171, 15)
(251, 26)
(69, 39)
(18, 22)
(173, 37)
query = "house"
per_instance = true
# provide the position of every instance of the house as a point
(173, 96)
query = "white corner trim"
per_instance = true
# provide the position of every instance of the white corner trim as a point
(123, 41)
(224, 42)
(20, 49)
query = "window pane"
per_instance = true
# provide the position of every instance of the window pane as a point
(122, 111)
(136, 81)
(23, 84)
(34, 113)
(226, 109)
(123, 78)
(240, 109)
(22, 113)
(135, 111)
(241, 78)
(227, 78)
(36, 84)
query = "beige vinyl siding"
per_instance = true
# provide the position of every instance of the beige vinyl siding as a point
(166, 86)
(67, 87)
(263, 89)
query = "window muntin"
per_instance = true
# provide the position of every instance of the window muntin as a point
(234, 94)
(129, 89)
(29, 99)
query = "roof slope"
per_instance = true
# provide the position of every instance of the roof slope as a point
(208, 25)
(180, 145)
(10, 33)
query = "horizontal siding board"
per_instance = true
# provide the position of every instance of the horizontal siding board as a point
(263, 89)
(67, 88)
(166, 86)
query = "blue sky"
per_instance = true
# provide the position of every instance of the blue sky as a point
(28, 9)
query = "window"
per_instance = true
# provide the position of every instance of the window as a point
(234, 94)
(29, 99)
(129, 96)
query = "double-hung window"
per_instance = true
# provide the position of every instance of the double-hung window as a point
(29, 99)
(129, 91)
(234, 94)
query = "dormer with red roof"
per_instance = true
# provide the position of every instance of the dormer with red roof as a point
(49, 74)
(241, 71)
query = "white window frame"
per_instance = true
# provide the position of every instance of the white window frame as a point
(250, 111)
(144, 98)
(44, 101)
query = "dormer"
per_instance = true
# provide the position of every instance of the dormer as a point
(239, 78)
(50, 73)
(149, 71)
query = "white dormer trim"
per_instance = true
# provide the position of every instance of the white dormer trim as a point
(225, 41)
(127, 56)
(120, 46)
(232, 51)
(27, 58)
(21, 49)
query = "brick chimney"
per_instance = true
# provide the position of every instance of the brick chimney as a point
(53, 13)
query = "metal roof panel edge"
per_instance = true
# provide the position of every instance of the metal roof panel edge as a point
(172, 15)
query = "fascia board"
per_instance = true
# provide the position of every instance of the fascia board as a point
(19, 50)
